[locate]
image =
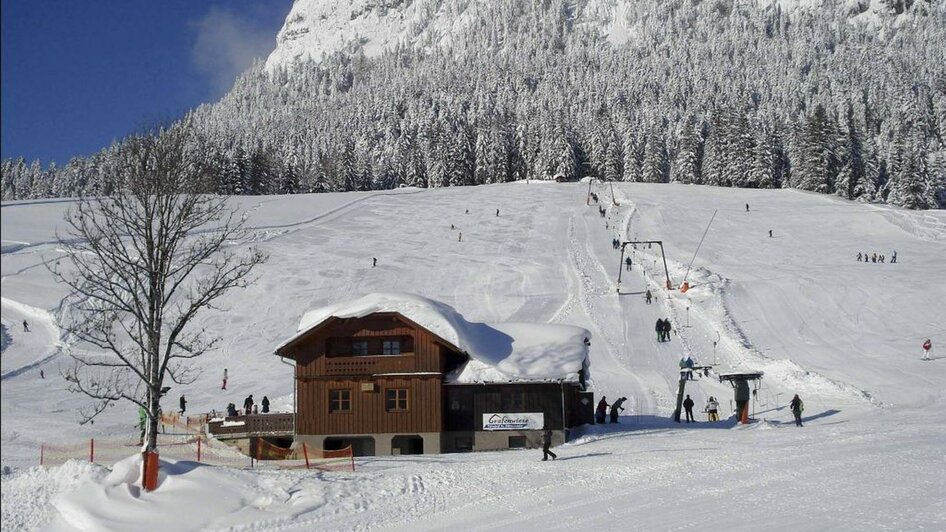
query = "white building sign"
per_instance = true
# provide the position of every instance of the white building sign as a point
(527, 421)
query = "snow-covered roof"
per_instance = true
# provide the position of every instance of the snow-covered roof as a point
(499, 352)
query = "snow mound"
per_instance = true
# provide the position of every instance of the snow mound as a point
(27, 494)
(190, 496)
(506, 352)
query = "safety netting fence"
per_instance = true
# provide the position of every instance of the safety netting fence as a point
(186, 439)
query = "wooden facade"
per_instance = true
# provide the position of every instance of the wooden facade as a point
(383, 374)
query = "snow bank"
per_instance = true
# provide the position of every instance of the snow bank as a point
(190, 496)
(27, 494)
(507, 352)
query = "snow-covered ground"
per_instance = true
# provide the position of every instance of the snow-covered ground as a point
(843, 334)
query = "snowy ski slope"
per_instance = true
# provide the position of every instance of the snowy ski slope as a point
(844, 334)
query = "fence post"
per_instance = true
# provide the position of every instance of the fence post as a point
(305, 452)
(351, 455)
(198, 447)
(92, 450)
(42, 449)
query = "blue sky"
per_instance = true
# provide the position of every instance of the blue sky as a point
(78, 74)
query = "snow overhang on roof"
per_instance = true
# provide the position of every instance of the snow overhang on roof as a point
(502, 352)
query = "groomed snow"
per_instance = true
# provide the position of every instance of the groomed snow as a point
(499, 352)
(844, 334)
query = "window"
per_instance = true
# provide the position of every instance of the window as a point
(395, 399)
(513, 400)
(391, 347)
(517, 442)
(339, 400)
(359, 348)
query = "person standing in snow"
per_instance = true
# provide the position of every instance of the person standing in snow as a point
(797, 407)
(648, 296)
(248, 405)
(224, 387)
(231, 410)
(667, 328)
(712, 409)
(183, 405)
(873, 258)
(26, 326)
(42, 374)
(893, 258)
(660, 330)
(688, 407)
(546, 444)
(265, 404)
(747, 207)
(460, 237)
(627, 262)
(497, 213)
(770, 233)
(858, 257)
(616, 408)
(927, 349)
(601, 410)
(689, 363)
(374, 261)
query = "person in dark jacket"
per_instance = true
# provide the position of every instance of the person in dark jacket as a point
(248, 405)
(797, 407)
(616, 408)
(660, 330)
(688, 407)
(666, 330)
(627, 262)
(546, 444)
(231, 410)
(265, 404)
(648, 296)
(183, 404)
(601, 410)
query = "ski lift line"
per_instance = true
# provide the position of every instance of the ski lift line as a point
(699, 245)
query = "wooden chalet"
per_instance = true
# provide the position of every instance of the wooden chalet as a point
(373, 374)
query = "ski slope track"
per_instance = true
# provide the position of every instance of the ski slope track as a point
(843, 334)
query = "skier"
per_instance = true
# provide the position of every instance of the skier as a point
(688, 406)
(927, 348)
(648, 296)
(770, 233)
(248, 405)
(628, 263)
(26, 326)
(183, 404)
(497, 213)
(858, 257)
(224, 387)
(546, 444)
(460, 237)
(667, 329)
(42, 374)
(142, 423)
(893, 258)
(881, 259)
(689, 363)
(712, 409)
(747, 207)
(873, 258)
(374, 260)
(468, 211)
(797, 407)
(601, 410)
(660, 330)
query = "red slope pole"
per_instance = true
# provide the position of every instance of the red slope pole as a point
(305, 452)
(92, 450)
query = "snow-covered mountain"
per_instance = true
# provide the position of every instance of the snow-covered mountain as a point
(316, 29)
(836, 96)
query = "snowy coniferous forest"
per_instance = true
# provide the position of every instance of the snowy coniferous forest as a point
(846, 98)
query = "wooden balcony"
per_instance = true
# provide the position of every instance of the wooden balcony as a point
(252, 425)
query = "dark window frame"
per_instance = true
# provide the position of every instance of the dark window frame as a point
(360, 352)
(339, 401)
(400, 400)
(391, 344)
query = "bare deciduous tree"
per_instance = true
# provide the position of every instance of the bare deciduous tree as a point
(142, 263)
